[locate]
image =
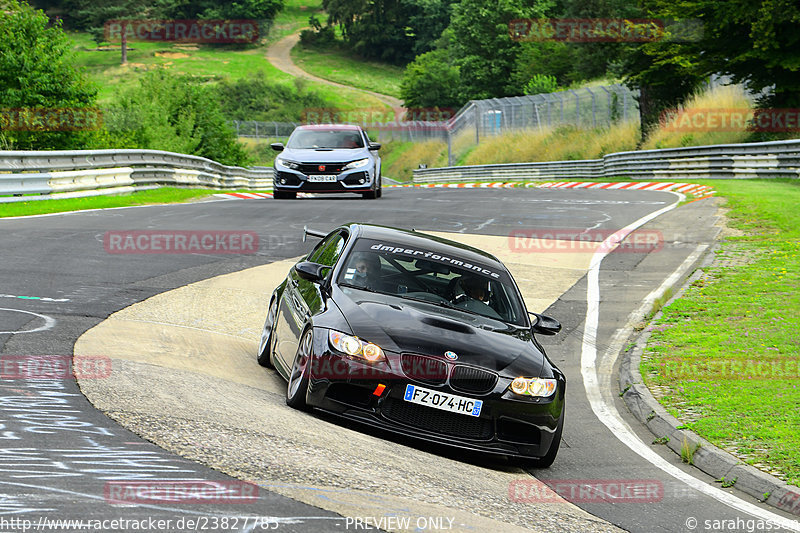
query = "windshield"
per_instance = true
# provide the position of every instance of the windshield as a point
(445, 280)
(325, 139)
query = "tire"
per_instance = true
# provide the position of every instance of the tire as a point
(297, 387)
(284, 195)
(380, 187)
(264, 357)
(550, 456)
(369, 195)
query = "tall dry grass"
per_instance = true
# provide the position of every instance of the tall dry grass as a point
(555, 144)
(399, 159)
(708, 117)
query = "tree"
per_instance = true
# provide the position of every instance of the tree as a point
(263, 10)
(37, 74)
(431, 80)
(390, 30)
(482, 47)
(94, 17)
(754, 41)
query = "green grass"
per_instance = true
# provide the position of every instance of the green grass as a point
(293, 17)
(399, 158)
(208, 63)
(336, 64)
(165, 195)
(726, 353)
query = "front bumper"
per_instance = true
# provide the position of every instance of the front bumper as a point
(508, 425)
(355, 180)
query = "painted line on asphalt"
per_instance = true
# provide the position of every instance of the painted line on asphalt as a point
(49, 322)
(36, 298)
(607, 412)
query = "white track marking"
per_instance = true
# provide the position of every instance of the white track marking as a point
(607, 412)
(49, 322)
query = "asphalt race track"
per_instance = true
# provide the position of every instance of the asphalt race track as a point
(183, 400)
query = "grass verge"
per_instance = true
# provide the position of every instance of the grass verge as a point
(336, 64)
(399, 158)
(724, 357)
(164, 195)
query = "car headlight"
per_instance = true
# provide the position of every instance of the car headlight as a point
(357, 164)
(355, 347)
(538, 387)
(287, 163)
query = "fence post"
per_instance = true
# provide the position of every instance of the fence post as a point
(477, 125)
(608, 98)
(449, 147)
(625, 106)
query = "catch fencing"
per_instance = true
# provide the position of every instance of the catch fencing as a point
(587, 107)
(779, 159)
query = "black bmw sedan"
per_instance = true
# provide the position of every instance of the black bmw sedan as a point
(416, 335)
(330, 158)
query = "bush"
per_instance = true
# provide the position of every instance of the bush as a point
(258, 99)
(173, 113)
(37, 73)
(319, 36)
(541, 83)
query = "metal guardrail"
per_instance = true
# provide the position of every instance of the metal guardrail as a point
(47, 173)
(778, 159)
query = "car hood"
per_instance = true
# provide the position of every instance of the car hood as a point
(324, 156)
(404, 326)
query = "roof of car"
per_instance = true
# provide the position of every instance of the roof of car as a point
(343, 127)
(413, 238)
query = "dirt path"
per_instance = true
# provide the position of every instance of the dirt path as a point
(279, 54)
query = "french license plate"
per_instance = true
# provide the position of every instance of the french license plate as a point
(443, 401)
(322, 177)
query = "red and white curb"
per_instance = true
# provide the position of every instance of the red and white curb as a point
(245, 195)
(494, 184)
(684, 188)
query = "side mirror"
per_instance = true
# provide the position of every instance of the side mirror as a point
(310, 271)
(374, 146)
(278, 147)
(545, 325)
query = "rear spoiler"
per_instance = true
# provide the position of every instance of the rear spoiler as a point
(313, 233)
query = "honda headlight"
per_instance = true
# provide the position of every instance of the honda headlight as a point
(288, 164)
(355, 347)
(537, 387)
(357, 164)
